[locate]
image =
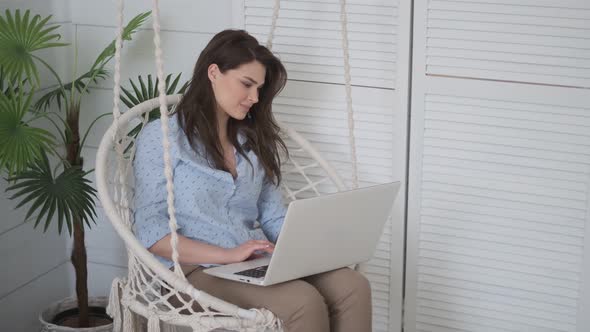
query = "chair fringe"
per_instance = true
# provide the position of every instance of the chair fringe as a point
(153, 323)
(128, 323)
(114, 305)
(273, 322)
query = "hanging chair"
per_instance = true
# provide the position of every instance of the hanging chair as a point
(150, 289)
(304, 173)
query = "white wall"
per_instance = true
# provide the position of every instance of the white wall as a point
(34, 265)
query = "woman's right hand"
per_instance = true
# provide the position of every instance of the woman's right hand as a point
(248, 249)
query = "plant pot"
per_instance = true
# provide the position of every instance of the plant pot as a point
(68, 307)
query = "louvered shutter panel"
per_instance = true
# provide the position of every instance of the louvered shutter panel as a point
(524, 41)
(500, 171)
(308, 41)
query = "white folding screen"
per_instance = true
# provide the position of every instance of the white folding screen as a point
(308, 41)
(499, 172)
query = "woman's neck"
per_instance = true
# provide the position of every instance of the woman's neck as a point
(222, 121)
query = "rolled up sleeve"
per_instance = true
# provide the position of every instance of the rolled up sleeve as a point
(271, 209)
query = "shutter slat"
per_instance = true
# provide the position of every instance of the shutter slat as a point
(437, 291)
(500, 290)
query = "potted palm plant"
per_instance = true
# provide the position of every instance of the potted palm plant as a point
(46, 171)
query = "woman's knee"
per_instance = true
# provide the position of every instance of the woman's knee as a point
(360, 283)
(304, 309)
(345, 287)
(357, 285)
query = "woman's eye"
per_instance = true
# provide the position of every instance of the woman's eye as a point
(248, 85)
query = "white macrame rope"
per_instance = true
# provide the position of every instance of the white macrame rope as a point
(347, 84)
(165, 141)
(114, 305)
(273, 25)
(117, 75)
(120, 176)
(347, 79)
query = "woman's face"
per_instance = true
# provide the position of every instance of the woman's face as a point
(237, 89)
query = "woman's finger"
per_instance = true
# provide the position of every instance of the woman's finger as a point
(263, 242)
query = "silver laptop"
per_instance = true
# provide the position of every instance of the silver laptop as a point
(320, 234)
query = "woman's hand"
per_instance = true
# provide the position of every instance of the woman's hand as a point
(248, 249)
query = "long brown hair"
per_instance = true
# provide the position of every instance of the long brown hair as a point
(196, 111)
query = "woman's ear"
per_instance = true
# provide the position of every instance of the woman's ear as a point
(213, 72)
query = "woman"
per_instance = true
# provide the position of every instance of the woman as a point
(226, 158)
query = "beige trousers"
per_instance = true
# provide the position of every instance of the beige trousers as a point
(336, 301)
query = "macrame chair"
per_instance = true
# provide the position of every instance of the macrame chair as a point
(150, 287)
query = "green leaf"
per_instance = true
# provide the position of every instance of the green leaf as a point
(50, 213)
(144, 93)
(183, 87)
(127, 102)
(171, 88)
(80, 84)
(44, 210)
(128, 30)
(40, 199)
(60, 215)
(32, 190)
(138, 93)
(151, 88)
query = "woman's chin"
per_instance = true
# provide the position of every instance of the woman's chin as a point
(239, 116)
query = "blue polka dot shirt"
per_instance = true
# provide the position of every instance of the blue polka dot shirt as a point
(211, 206)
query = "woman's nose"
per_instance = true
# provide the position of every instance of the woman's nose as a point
(253, 96)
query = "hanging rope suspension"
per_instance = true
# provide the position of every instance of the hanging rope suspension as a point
(348, 87)
(347, 79)
(273, 24)
(165, 140)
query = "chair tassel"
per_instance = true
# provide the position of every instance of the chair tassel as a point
(153, 323)
(128, 324)
(114, 305)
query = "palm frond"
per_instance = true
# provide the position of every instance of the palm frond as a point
(80, 84)
(97, 71)
(69, 194)
(20, 37)
(143, 93)
(128, 30)
(13, 86)
(21, 143)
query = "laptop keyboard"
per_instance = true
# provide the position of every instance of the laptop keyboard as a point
(257, 272)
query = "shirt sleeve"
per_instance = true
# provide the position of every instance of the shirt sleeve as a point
(151, 207)
(271, 209)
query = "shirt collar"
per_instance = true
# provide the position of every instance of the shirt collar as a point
(242, 139)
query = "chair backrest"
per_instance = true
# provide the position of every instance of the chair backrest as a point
(305, 174)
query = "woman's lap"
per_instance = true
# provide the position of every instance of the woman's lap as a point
(308, 304)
